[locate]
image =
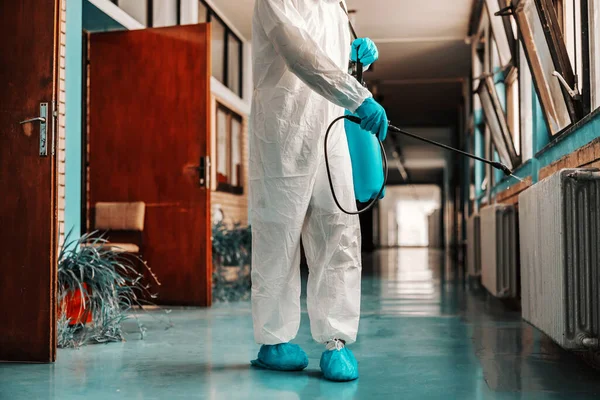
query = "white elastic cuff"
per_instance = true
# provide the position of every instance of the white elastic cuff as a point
(334, 344)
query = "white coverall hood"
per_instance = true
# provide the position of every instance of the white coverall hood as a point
(300, 57)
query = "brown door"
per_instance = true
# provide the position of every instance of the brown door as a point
(149, 125)
(27, 219)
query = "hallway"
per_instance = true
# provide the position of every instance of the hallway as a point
(419, 339)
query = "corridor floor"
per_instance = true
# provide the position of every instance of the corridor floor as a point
(421, 337)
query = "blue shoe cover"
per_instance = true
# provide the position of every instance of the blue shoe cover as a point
(281, 357)
(339, 365)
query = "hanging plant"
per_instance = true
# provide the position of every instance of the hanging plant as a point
(96, 288)
(231, 262)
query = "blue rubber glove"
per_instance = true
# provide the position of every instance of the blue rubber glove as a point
(373, 118)
(367, 51)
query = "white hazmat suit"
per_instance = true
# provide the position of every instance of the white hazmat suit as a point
(301, 50)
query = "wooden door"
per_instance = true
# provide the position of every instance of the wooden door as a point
(149, 125)
(28, 74)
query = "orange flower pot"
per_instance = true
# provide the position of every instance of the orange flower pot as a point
(74, 307)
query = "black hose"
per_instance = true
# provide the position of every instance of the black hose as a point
(507, 171)
(385, 169)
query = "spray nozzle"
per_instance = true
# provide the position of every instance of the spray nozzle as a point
(502, 167)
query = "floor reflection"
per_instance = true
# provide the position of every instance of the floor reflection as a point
(424, 334)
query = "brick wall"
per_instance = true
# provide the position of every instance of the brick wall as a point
(587, 156)
(60, 145)
(234, 206)
(511, 195)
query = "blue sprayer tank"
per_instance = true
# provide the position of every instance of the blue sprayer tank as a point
(367, 163)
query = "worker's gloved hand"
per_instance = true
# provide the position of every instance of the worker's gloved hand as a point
(367, 51)
(373, 118)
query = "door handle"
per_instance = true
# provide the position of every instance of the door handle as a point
(204, 172)
(42, 119)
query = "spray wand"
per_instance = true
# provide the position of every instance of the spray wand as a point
(507, 171)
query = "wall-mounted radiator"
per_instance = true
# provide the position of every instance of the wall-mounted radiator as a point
(559, 220)
(499, 250)
(473, 246)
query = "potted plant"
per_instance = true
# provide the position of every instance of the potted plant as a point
(231, 261)
(96, 288)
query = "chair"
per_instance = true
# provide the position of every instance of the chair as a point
(124, 224)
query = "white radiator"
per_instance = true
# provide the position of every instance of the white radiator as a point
(473, 246)
(559, 220)
(499, 250)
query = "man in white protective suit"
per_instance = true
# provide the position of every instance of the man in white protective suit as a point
(301, 50)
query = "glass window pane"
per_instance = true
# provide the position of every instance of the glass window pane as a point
(573, 35)
(222, 133)
(542, 66)
(136, 8)
(496, 121)
(512, 109)
(165, 13)
(233, 69)
(499, 32)
(526, 100)
(496, 65)
(236, 152)
(218, 49)
(595, 52)
(202, 12)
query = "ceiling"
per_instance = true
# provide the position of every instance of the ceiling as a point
(423, 61)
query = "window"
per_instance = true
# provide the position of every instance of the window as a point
(502, 31)
(227, 50)
(512, 108)
(202, 13)
(559, 9)
(229, 151)
(234, 63)
(166, 13)
(218, 49)
(526, 105)
(496, 122)
(152, 13)
(594, 51)
(548, 59)
(138, 9)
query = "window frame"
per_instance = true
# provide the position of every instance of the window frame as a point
(231, 115)
(561, 63)
(496, 122)
(501, 28)
(150, 12)
(593, 36)
(512, 83)
(210, 14)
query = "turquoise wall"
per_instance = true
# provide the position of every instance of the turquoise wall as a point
(547, 152)
(73, 111)
(94, 19)
(81, 14)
